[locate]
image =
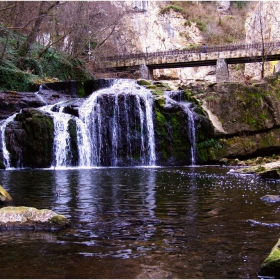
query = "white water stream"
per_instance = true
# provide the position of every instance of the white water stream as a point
(115, 128)
(191, 124)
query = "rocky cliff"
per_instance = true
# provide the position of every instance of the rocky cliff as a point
(151, 30)
(156, 26)
(263, 25)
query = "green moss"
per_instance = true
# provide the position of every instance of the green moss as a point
(80, 86)
(151, 87)
(143, 82)
(35, 138)
(59, 220)
(271, 265)
(208, 149)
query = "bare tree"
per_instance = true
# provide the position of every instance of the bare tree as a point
(44, 9)
(260, 27)
(80, 28)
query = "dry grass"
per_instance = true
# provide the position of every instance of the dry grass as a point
(218, 29)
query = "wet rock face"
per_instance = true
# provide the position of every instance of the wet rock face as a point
(172, 130)
(243, 108)
(29, 139)
(11, 102)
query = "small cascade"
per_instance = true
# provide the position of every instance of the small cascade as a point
(39, 96)
(61, 135)
(5, 152)
(176, 97)
(120, 125)
(63, 154)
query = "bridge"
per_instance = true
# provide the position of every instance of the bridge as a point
(220, 56)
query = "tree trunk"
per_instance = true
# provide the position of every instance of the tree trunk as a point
(31, 38)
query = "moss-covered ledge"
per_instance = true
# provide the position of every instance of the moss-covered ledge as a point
(268, 170)
(271, 265)
(30, 218)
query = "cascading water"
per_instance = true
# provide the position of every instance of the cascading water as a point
(175, 97)
(120, 125)
(63, 155)
(114, 128)
(61, 135)
(5, 152)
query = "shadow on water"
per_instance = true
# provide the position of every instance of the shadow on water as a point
(181, 222)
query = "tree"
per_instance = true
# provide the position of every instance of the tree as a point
(262, 27)
(44, 9)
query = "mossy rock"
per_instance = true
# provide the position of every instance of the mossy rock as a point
(30, 218)
(143, 82)
(271, 265)
(29, 139)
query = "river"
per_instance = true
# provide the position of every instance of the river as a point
(142, 222)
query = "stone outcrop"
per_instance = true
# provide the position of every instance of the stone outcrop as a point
(172, 126)
(262, 24)
(29, 139)
(30, 218)
(268, 171)
(248, 119)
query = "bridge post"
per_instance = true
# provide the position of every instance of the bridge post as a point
(222, 74)
(146, 73)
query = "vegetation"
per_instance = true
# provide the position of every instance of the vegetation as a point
(24, 73)
(217, 28)
(52, 39)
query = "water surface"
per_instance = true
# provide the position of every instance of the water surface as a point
(180, 222)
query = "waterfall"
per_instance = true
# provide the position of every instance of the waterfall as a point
(114, 127)
(39, 96)
(5, 152)
(175, 97)
(61, 135)
(62, 148)
(120, 125)
(191, 129)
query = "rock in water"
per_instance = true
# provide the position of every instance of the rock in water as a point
(31, 218)
(4, 195)
(271, 265)
(271, 198)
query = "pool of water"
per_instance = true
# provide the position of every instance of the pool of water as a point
(158, 222)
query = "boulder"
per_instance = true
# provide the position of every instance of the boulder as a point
(30, 218)
(268, 170)
(29, 139)
(271, 265)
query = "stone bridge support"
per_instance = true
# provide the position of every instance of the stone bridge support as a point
(146, 72)
(222, 74)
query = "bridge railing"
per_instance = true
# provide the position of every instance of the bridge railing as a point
(210, 49)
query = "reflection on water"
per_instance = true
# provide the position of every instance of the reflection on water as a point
(185, 222)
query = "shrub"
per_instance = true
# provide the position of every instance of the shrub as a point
(30, 64)
(174, 8)
(14, 80)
